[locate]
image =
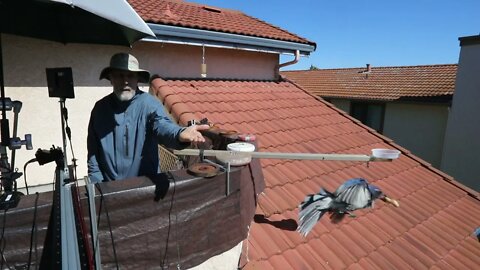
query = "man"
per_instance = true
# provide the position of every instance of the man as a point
(127, 125)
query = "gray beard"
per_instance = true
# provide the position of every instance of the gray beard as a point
(124, 95)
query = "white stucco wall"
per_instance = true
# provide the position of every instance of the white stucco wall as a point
(25, 60)
(225, 261)
(181, 61)
(419, 128)
(462, 139)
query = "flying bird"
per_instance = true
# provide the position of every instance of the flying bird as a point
(352, 195)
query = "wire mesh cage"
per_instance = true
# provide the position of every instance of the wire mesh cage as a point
(168, 161)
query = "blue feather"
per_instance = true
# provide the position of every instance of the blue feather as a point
(477, 233)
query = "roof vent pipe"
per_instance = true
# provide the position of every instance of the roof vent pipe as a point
(366, 71)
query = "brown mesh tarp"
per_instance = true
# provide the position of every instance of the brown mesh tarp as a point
(194, 221)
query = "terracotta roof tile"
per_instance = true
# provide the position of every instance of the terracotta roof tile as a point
(432, 228)
(197, 16)
(382, 83)
(279, 262)
(264, 265)
(384, 259)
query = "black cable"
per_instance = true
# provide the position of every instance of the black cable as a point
(169, 223)
(176, 224)
(6, 170)
(1, 238)
(69, 135)
(25, 172)
(33, 231)
(102, 198)
(3, 242)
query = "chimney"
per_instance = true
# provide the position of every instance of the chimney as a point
(369, 69)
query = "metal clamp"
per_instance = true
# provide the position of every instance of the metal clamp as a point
(226, 168)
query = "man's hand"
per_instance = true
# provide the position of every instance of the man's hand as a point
(192, 134)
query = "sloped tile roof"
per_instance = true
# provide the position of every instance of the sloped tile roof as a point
(382, 83)
(433, 228)
(198, 16)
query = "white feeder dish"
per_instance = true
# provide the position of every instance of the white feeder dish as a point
(238, 154)
(385, 153)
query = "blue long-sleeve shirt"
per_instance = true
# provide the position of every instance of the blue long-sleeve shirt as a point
(123, 137)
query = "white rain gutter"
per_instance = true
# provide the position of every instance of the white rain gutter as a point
(294, 61)
(198, 37)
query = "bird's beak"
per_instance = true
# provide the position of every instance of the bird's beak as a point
(391, 201)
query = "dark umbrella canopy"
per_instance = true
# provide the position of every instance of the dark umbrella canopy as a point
(81, 21)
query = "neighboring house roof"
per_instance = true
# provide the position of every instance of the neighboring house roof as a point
(381, 83)
(199, 16)
(433, 228)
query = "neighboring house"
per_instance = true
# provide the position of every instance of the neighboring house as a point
(433, 228)
(409, 104)
(462, 143)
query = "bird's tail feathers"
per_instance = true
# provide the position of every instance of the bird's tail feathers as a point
(311, 198)
(311, 210)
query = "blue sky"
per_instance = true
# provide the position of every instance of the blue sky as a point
(352, 33)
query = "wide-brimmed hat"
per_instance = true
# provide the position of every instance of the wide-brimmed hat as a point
(126, 62)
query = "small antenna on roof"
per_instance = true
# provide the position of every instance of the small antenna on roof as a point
(367, 71)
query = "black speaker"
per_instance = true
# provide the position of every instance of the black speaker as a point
(60, 82)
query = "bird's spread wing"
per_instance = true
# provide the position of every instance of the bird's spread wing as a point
(354, 193)
(350, 183)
